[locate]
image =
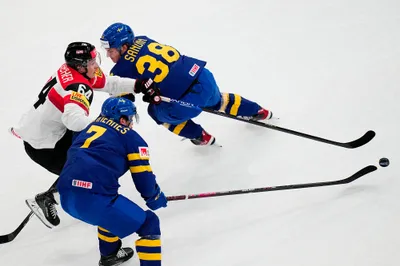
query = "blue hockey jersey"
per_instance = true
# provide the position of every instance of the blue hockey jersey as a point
(146, 58)
(101, 154)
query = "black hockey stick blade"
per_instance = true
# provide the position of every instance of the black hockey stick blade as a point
(367, 137)
(361, 141)
(10, 237)
(366, 170)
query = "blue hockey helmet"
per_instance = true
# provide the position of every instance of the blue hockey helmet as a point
(116, 107)
(116, 35)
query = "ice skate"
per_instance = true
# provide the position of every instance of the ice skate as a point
(118, 258)
(263, 114)
(204, 140)
(43, 206)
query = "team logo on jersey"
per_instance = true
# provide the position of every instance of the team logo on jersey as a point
(194, 70)
(144, 152)
(98, 73)
(82, 184)
(79, 98)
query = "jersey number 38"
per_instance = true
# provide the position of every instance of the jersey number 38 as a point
(151, 64)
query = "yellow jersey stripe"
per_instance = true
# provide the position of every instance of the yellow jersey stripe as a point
(236, 104)
(148, 243)
(104, 230)
(135, 157)
(140, 169)
(179, 128)
(108, 239)
(149, 256)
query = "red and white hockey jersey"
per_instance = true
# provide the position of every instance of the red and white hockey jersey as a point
(64, 103)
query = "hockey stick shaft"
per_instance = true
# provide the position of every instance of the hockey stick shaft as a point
(366, 170)
(367, 137)
(10, 237)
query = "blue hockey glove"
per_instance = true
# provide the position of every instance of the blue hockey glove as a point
(157, 201)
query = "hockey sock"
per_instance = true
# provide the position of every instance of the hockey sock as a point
(149, 251)
(108, 243)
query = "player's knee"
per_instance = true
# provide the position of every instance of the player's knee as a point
(151, 226)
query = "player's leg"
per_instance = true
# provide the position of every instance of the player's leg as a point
(53, 160)
(237, 105)
(204, 92)
(125, 218)
(177, 120)
(230, 103)
(117, 217)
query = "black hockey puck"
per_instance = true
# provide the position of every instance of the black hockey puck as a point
(384, 162)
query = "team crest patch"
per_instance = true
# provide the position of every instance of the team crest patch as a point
(194, 70)
(82, 184)
(144, 152)
(79, 98)
(99, 73)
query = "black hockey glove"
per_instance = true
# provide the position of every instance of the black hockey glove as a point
(149, 89)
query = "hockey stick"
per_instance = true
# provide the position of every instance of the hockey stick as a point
(366, 170)
(10, 237)
(367, 137)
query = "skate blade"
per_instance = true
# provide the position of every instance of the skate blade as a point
(37, 211)
(215, 144)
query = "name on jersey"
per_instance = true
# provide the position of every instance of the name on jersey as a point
(79, 98)
(194, 70)
(120, 128)
(134, 50)
(65, 74)
(82, 184)
(144, 152)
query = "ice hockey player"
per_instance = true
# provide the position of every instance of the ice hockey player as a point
(88, 185)
(62, 108)
(175, 76)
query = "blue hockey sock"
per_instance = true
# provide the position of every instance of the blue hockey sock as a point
(236, 105)
(149, 251)
(187, 129)
(108, 243)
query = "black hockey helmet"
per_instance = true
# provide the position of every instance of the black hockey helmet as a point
(79, 53)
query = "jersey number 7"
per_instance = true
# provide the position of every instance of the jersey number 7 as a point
(99, 131)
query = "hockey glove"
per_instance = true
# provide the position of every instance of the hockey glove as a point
(157, 201)
(149, 89)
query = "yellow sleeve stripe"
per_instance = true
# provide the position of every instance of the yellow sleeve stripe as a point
(149, 256)
(108, 239)
(179, 128)
(104, 230)
(236, 104)
(140, 169)
(225, 101)
(148, 243)
(135, 157)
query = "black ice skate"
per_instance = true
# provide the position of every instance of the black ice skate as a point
(121, 256)
(43, 206)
